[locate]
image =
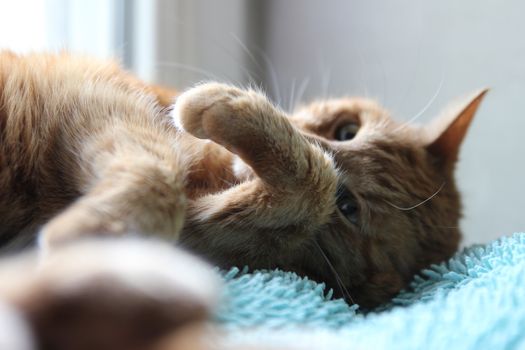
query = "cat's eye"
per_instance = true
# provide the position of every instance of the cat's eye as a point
(346, 131)
(347, 205)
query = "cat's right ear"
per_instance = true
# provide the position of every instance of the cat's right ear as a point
(447, 132)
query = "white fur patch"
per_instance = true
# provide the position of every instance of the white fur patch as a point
(14, 331)
(238, 167)
(241, 170)
(175, 117)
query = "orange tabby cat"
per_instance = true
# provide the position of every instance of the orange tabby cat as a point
(337, 190)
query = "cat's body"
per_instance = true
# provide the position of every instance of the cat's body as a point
(87, 149)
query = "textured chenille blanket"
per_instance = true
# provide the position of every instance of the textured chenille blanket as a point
(476, 300)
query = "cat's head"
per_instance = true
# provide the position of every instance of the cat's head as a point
(398, 206)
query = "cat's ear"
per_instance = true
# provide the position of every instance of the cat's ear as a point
(447, 132)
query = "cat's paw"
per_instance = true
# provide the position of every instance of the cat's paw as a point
(247, 124)
(108, 293)
(224, 114)
(199, 110)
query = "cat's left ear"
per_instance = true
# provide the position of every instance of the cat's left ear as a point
(447, 132)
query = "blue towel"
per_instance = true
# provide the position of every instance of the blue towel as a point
(476, 300)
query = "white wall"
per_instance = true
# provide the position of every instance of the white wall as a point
(398, 52)
(199, 40)
(22, 30)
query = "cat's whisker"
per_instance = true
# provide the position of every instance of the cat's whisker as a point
(361, 76)
(245, 48)
(325, 81)
(212, 41)
(383, 75)
(338, 279)
(190, 68)
(420, 203)
(300, 93)
(273, 75)
(429, 103)
(252, 58)
(290, 103)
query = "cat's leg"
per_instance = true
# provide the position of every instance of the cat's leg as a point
(296, 180)
(136, 194)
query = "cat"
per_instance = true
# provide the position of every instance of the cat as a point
(336, 190)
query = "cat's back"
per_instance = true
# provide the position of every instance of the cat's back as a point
(49, 105)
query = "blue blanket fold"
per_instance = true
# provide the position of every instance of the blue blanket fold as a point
(476, 300)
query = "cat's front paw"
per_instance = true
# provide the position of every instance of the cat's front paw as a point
(234, 118)
(200, 110)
